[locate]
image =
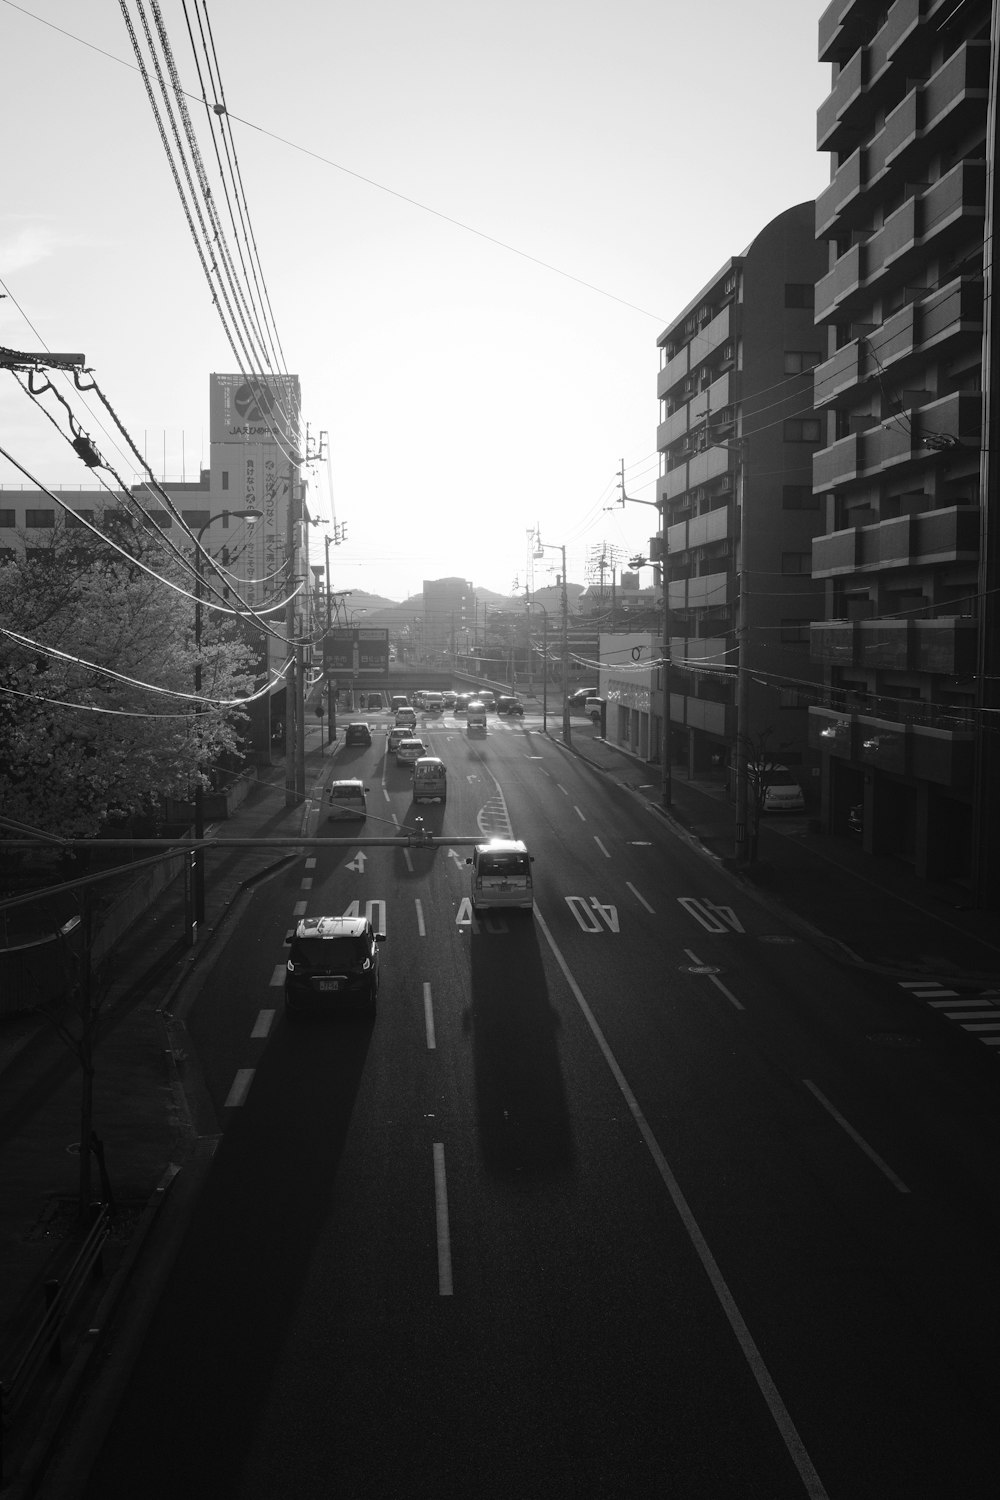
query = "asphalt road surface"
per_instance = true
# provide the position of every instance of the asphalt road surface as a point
(637, 1196)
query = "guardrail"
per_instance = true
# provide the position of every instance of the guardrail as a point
(43, 1347)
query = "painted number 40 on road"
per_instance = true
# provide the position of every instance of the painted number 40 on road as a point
(590, 913)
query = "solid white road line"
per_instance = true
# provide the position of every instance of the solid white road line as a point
(263, 1023)
(641, 899)
(240, 1088)
(429, 1017)
(421, 929)
(858, 1140)
(445, 1284)
(779, 1413)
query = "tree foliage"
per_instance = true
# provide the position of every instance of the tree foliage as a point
(78, 748)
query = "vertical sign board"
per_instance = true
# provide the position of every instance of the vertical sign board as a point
(357, 652)
(254, 434)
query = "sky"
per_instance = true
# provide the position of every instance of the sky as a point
(473, 219)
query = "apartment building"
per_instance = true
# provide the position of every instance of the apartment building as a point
(736, 437)
(449, 621)
(899, 395)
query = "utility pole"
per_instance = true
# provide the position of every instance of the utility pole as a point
(666, 782)
(541, 547)
(292, 691)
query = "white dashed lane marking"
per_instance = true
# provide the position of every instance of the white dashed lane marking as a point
(241, 1087)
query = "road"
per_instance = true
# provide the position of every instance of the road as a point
(641, 1196)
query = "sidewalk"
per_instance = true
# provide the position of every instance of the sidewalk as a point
(868, 909)
(140, 1112)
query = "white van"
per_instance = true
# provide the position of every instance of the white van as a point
(501, 875)
(475, 718)
(430, 779)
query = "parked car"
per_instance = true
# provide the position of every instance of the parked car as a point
(593, 708)
(578, 697)
(332, 961)
(357, 733)
(347, 799)
(409, 750)
(781, 792)
(513, 707)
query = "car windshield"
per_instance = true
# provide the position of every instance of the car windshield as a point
(344, 951)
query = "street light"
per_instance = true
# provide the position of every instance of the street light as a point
(198, 866)
(540, 548)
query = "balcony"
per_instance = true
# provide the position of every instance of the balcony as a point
(712, 652)
(834, 118)
(837, 464)
(835, 554)
(709, 591)
(674, 370)
(934, 536)
(884, 645)
(940, 752)
(708, 465)
(932, 220)
(675, 426)
(844, 189)
(837, 375)
(946, 648)
(711, 717)
(833, 642)
(838, 290)
(718, 331)
(841, 29)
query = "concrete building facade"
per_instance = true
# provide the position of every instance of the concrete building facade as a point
(900, 397)
(736, 436)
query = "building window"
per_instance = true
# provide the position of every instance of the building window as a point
(40, 518)
(799, 294)
(225, 479)
(7, 518)
(798, 497)
(802, 430)
(161, 518)
(195, 518)
(79, 517)
(795, 632)
(797, 361)
(796, 562)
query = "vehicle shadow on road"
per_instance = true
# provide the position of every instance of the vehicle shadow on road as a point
(250, 1244)
(521, 1111)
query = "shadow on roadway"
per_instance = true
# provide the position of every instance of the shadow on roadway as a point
(523, 1120)
(236, 1285)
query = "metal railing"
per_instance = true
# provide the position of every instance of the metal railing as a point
(43, 1347)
